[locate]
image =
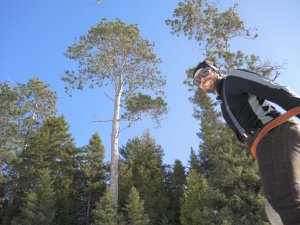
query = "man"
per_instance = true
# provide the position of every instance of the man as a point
(244, 106)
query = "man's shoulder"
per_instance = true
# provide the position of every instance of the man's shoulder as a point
(247, 77)
(243, 73)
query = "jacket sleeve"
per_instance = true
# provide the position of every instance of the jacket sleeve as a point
(242, 81)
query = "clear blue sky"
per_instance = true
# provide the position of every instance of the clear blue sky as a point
(35, 34)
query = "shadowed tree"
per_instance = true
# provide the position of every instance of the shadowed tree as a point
(39, 203)
(114, 54)
(177, 186)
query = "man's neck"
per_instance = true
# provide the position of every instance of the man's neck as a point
(219, 84)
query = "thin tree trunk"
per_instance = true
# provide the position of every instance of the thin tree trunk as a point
(114, 172)
(87, 222)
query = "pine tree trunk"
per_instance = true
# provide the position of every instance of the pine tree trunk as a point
(114, 172)
(87, 222)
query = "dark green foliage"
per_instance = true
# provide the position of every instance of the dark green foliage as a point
(105, 211)
(40, 202)
(175, 184)
(32, 140)
(143, 169)
(228, 177)
(9, 112)
(52, 148)
(23, 109)
(93, 175)
(134, 209)
(194, 161)
(144, 104)
(200, 203)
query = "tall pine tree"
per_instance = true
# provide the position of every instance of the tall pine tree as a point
(114, 54)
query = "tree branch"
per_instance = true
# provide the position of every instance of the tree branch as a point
(128, 126)
(101, 121)
(110, 98)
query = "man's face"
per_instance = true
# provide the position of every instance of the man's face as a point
(206, 79)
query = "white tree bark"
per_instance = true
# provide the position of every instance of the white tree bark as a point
(114, 177)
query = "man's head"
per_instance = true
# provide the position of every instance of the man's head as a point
(206, 76)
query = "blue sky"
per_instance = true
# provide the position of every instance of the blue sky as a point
(35, 34)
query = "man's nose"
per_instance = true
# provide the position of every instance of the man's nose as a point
(203, 79)
(202, 82)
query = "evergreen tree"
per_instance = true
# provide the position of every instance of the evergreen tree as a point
(228, 168)
(37, 104)
(52, 147)
(8, 123)
(200, 201)
(105, 211)
(176, 186)
(125, 181)
(227, 175)
(93, 177)
(9, 112)
(194, 161)
(39, 205)
(135, 209)
(143, 160)
(23, 110)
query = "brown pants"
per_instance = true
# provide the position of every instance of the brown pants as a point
(278, 156)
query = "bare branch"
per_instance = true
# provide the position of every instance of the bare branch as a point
(110, 98)
(105, 121)
(128, 126)
(101, 121)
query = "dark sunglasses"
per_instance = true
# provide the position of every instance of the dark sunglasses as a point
(203, 73)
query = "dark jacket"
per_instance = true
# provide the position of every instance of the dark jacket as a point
(247, 95)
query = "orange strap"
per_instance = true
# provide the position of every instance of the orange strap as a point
(274, 123)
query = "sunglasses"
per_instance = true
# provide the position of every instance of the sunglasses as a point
(203, 73)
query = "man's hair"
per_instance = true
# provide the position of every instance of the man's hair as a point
(205, 64)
